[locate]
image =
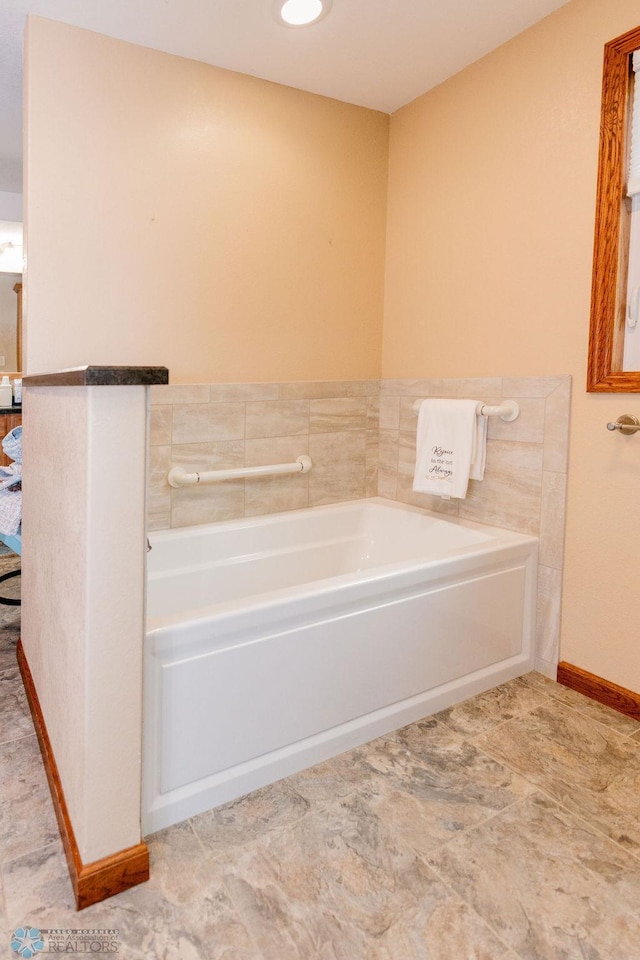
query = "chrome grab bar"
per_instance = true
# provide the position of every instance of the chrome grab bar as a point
(178, 477)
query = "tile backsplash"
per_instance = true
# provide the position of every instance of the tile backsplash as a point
(204, 427)
(361, 437)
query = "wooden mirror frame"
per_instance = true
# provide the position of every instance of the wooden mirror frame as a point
(17, 289)
(606, 331)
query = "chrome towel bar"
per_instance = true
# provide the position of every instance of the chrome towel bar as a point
(625, 424)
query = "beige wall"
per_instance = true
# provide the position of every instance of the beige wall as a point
(490, 231)
(179, 214)
(83, 599)
(232, 228)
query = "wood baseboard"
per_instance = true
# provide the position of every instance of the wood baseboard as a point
(92, 882)
(604, 691)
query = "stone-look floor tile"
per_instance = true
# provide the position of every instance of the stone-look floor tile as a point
(589, 768)
(183, 911)
(488, 709)
(27, 820)
(37, 888)
(15, 716)
(9, 615)
(9, 635)
(340, 885)
(320, 783)
(429, 783)
(590, 708)
(548, 884)
(330, 862)
(269, 809)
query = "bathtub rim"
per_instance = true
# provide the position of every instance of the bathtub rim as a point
(203, 529)
(510, 543)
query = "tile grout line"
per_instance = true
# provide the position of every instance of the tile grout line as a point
(447, 884)
(518, 714)
(549, 796)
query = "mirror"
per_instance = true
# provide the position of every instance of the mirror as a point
(10, 297)
(614, 210)
(10, 322)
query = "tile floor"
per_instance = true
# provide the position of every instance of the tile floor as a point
(506, 827)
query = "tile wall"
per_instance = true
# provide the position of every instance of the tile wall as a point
(212, 427)
(525, 482)
(361, 437)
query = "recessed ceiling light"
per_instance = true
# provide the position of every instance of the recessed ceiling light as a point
(301, 13)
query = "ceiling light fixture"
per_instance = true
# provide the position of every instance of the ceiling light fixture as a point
(301, 13)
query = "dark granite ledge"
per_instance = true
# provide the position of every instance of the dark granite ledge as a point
(100, 377)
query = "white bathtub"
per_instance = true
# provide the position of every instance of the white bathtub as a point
(276, 642)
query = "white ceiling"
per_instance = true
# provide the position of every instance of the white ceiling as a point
(374, 53)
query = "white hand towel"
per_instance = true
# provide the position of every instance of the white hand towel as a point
(451, 447)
